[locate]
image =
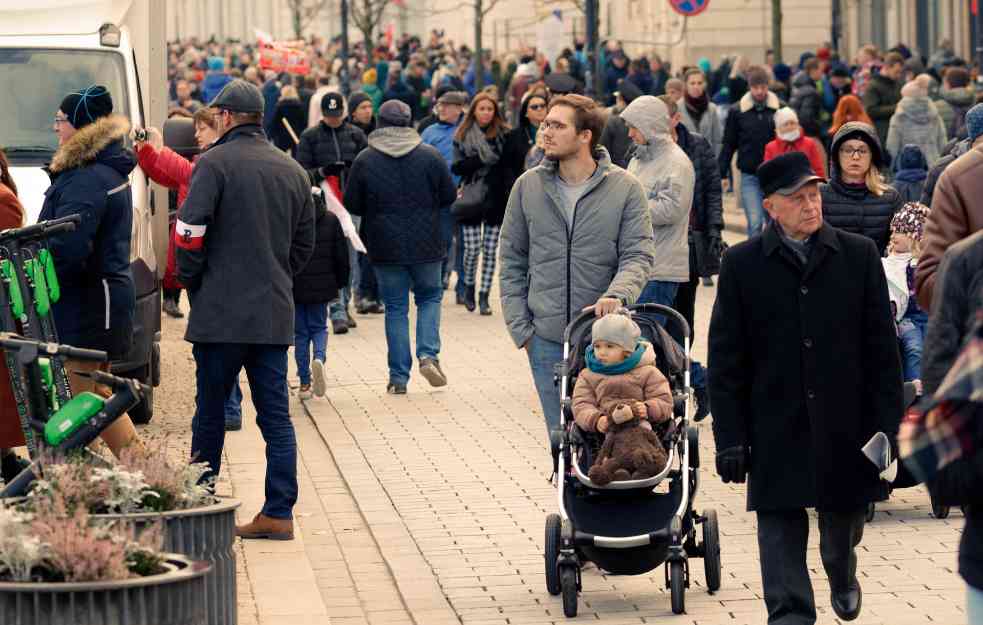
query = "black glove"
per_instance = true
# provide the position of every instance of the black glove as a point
(732, 464)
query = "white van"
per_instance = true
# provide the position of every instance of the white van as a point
(59, 46)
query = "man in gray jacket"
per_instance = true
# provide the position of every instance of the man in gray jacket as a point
(577, 235)
(245, 230)
(667, 176)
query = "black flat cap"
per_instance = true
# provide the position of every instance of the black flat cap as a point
(561, 83)
(628, 90)
(239, 96)
(786, 174)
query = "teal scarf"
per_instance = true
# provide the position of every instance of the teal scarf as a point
(622, 367)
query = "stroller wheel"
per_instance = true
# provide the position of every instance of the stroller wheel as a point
(677, 587)
(871, 507)
(711, 550)
(568, 581)
(552, 554)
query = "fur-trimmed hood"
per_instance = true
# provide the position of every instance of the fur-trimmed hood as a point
(747, 102)
(90, 145)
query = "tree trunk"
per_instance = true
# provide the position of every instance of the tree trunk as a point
(776, 29)
(298, 27)
(343, 77)
(479, 62)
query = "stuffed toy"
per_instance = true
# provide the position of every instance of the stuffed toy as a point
(630, 451)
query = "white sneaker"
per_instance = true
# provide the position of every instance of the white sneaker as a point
(317, 378)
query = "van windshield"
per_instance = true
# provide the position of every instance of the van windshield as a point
(37, 80)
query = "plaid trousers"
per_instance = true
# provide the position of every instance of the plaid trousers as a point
(475, 242)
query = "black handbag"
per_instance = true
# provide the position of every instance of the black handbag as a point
(472, 200)
(709, 251)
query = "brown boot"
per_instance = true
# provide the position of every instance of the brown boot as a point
(266, 527)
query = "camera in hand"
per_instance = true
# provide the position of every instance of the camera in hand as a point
(140, 134)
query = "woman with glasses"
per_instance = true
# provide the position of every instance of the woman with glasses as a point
(522, 150)
(856, 198)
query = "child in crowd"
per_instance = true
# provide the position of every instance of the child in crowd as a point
(899, 267)
(620, 370)
(790, 138)
(315, 286)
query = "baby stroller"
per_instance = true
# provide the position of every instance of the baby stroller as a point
(627, 527)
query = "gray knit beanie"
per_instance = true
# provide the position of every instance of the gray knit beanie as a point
(617, 329)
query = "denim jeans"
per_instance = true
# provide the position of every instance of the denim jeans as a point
(339, 307)
(752, 199)
(233, 405)
(395, 284)
(660, 292)
(911, 333)
(543, 357)
(368, 288)
(974, 605)
(266, 368)
(310, 327)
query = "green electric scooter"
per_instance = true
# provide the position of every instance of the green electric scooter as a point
(76, 423)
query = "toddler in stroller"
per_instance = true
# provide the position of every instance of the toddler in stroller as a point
(621, 371)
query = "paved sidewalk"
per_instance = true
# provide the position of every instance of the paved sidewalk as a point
(457, 477)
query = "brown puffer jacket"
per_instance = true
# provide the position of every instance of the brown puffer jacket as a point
(596, 394)
(955, 215)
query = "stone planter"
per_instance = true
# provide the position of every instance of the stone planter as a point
(207, 534)
(170, 598)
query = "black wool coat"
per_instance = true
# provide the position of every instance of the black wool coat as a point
(805, 369)
(328, 270)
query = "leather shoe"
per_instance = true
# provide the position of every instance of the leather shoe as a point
(263, 526)
(846, 603)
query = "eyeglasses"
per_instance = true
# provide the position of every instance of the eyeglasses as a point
(855, 152)
(60, 120)
(553, 125)
(536, 107)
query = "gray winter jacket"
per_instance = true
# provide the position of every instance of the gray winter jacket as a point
(667, 175)
(550, 271)
(710, 125)
(917, 121)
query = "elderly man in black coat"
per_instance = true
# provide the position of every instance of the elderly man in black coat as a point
(805, 369)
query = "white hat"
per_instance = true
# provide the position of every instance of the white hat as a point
(784, 115)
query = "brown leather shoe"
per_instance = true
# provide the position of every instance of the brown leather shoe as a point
(266, 527)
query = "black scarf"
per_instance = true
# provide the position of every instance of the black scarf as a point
(697, 106)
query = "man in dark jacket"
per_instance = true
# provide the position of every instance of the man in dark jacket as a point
(750, 127)
(706, 221)
(883, 94)
(955, 308)
(327, 152)
(805, 368)
(244, 231)
(614, 137)
(399, 187)
(806, 100)
(90, 177)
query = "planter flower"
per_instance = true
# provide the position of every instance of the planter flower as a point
(59, 568)
(146, 488)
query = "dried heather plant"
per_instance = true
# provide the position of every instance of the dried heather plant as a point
(177, 484)
(76, 551)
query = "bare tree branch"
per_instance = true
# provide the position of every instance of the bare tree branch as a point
(485, 9)
(367, 14)
(304, 13)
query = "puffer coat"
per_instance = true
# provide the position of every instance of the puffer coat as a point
(917, 122)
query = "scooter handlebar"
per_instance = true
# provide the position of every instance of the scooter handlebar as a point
(42, 228)
(17, 343)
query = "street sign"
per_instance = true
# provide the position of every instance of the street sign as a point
(689, 8)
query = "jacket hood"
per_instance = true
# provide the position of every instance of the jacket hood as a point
(963, 97)
(855, 130)
(918, 109)
(651, 116)
(747, 102)
(802, 80)
(911, 157)
(648, 357)
(394, 141)
(100, 141)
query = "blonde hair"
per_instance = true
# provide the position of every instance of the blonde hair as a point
(875, 181)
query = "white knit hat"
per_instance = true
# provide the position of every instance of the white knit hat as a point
(784, 115)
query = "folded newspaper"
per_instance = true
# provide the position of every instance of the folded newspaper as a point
(878, 451)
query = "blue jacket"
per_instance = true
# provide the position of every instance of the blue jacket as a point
(213, 84)
(271, 95)
(469, 79)
(441, 136)
(90, 176)
(400, 188)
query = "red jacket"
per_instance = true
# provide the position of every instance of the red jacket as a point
(806, 145)
(167, 168)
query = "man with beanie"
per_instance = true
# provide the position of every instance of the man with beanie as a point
(360, 112)
(327, 152)
(750, 126)
(90, 177)
(243, 233)
(803, 308)
(614, 138)
(883, 94)
(400, 188)
(956, 212)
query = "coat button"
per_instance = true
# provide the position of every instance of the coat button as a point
(807, 343)
(811, 394)
(804, 290)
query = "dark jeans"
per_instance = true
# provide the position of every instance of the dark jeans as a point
(395, 284)
(368, 287)
(543, 356)
(218, 365)
(911, 332)
(310, 329)
(783, 537)
(459, 259)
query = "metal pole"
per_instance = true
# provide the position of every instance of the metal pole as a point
(594, 88)
(343, 72)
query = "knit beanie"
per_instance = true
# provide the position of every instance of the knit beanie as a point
(910, 220)
(395, 113)
(616, 329)
(704, 64)
(216, 63)
(370, 77)
(784, 115)
(86, 106)
(783, 73)
(357, 98)
(917, 87)
(974, 122)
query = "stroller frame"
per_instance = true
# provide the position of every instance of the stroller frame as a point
(567, 547)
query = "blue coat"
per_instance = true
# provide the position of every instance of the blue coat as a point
(441, 136)
(212, 85)
(90, 176)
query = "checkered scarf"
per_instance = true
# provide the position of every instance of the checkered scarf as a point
(942, 430)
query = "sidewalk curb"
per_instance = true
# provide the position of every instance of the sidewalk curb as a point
(415, 581)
